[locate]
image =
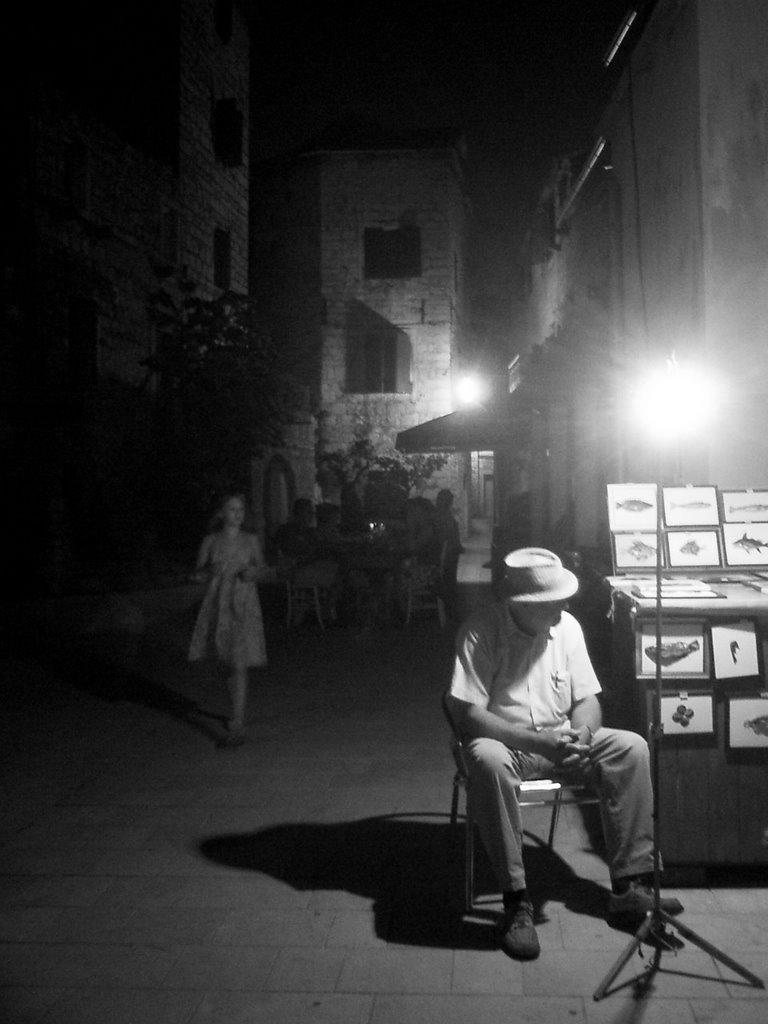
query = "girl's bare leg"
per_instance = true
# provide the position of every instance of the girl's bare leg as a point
(238, 692)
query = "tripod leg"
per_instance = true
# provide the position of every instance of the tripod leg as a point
(634, 945)
(709, 948)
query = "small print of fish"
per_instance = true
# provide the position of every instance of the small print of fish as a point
(672, 651)
(691, 504)
(639, 550)
(750, 543)
(748, 508)
(691, 548)
(634, 505)
(759, 726)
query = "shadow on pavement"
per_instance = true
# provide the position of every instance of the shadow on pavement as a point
(411, 868)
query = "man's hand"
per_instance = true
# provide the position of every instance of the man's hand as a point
(567, 748)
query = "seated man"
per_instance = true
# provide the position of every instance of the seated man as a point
(524, 697)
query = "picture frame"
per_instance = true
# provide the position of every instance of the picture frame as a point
(697, 549)
(685, 650)
(744, 506)
(693, 505)
(747, 722)
(745, 544)
(735, 650)
(635, 552)
(684, 714)
(632, 507)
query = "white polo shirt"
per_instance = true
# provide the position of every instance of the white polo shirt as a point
(532, 681)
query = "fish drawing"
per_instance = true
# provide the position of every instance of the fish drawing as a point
(759, 726)
(734, 645)
(691, 504)
(639, 550)
(748, 508)
(691, 548)
(750, 543)
(672, 651)
(634, 505)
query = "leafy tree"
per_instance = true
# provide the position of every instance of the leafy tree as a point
(221, 400)
(387, 468)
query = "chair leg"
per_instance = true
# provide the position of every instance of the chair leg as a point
(455, 804)
(556, 802)
(469, 862)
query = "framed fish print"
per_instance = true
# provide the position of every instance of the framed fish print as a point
(693, 549)
(691, 506)
(684, 651)
(734, 649)
(744, 506)
(632, 507)
(745, 543)
(748, 722)
(634, 552)
(688, 714)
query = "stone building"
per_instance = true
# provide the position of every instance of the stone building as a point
(358, 257)
(128, 146)
(655, 241)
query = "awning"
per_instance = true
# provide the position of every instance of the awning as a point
(466, 430)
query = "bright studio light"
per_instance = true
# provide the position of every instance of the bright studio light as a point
(470, 390)
(675, 401)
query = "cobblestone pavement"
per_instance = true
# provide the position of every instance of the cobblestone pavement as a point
(310, 875)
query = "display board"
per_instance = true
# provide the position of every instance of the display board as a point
(704, 528)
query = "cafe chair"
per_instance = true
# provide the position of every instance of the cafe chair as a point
(311, 586)
(553, 792)
(422, 591)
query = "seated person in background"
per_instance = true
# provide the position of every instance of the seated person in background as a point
(328, 533)
(306, 561)
(422, 541)
(450, 546)
(296, 540)
(524, 698)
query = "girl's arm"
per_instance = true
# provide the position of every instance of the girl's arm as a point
(203, 556)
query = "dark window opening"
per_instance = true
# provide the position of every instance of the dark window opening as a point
(392, 252)
(222, 258)
(228, 133)
(223, 17)
(379, 362)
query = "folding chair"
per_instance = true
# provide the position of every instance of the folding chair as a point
(554, 793)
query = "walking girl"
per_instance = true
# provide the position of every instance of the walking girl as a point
(229, 624)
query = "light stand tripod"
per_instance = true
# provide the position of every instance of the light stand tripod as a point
(656, 920)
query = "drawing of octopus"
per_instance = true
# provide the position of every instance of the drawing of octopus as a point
(672, 651)
(759, 726)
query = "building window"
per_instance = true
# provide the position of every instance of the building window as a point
(379, 362)
(392, 252)
(223, 16)
(228, 133)
(222, 258)
(82, 346)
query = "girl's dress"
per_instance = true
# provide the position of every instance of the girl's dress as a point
(229, 622)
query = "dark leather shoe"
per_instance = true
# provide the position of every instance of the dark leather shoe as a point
(517, 935)
(638, 901)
